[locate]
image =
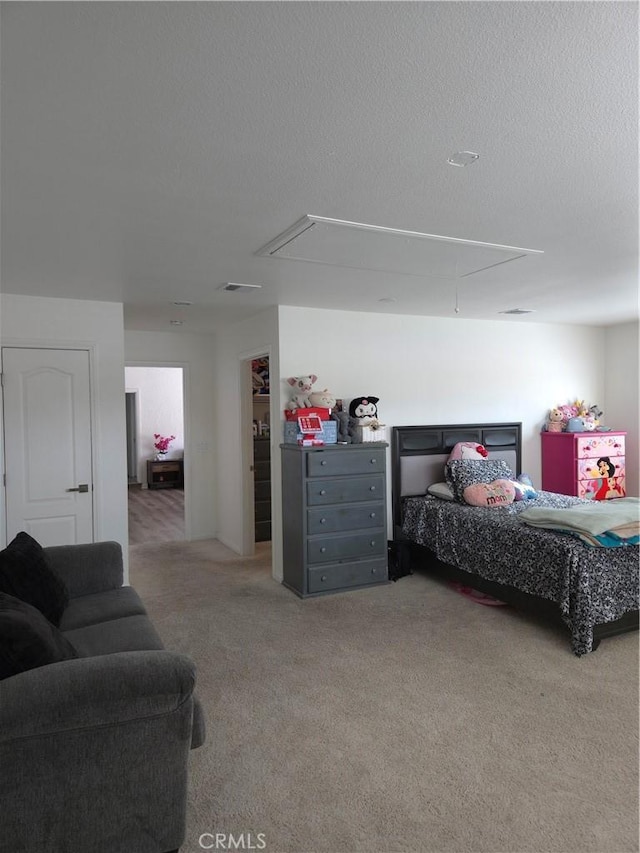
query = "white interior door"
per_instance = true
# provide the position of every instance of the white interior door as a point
(47, 429)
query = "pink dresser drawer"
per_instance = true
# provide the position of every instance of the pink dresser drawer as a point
(588, 469)
(599, 444)
(602, 489)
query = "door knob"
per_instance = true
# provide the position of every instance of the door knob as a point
(83, 487)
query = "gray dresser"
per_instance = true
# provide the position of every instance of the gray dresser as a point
(334, 517)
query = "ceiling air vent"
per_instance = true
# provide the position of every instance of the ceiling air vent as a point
(517, 311)
(232, 287)
(372, 247)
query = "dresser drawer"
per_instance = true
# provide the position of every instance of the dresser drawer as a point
(165, 467)
(602, 489)
(589, 468)
(344, 518)
(345, 490)
(262, 490)
(347, 574)
(592, 445)
(330, 549)
(262, 470)
(335, 462)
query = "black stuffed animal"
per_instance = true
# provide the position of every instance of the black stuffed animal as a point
(364, 409)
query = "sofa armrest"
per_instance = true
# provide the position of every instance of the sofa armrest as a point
(95, 753)
(95, 692)
(89, 568)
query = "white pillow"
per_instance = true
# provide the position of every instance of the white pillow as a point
(441, 490)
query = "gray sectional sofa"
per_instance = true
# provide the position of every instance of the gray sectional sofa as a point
(94, 750)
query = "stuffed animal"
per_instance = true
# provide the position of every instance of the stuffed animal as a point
(524, 487)
(555, 421)
(467, 450)
(364, 410)
(323, 399)
(303, 385)
(344, 426)
(576, 424)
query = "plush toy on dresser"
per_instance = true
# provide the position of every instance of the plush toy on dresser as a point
(364, 410)
(344, 426)
(322, 399)
(302, 385)
(555, 421)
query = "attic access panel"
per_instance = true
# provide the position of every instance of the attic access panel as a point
(372, 247)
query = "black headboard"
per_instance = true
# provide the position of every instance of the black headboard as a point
(432, 444)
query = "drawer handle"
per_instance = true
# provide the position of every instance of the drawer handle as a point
(322, 550)
(372, 488)
(323, 578)
(373, 461)
(323, 521)
(373, 571)
(372, 543)
(372, 515)
(323, 491)
(323, 461)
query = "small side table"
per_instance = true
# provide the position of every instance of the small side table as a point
(165, 475)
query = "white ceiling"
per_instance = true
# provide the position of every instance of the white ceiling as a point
(150, 150)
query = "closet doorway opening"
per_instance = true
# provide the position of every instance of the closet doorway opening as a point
(154, 401)
(261, 431)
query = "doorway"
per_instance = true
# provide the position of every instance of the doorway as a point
(154, 402)
(261, 418)
(131, 406)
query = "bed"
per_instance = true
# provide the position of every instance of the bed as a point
(591, 591)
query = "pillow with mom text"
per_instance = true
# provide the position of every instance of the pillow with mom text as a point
(461, 473)
(497, 493)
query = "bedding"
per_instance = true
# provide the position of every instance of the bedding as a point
(612, 524)
(590, 585)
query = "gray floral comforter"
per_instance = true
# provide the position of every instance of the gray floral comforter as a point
(591, 585)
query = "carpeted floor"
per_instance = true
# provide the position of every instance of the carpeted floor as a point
(398, 719)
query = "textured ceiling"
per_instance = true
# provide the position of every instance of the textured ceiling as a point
(150, 150)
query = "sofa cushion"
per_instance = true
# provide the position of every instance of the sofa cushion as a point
(26, 574)
(129, 634)
(101, 607)
(27, 638)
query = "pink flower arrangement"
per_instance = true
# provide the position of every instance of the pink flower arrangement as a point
(162, 442)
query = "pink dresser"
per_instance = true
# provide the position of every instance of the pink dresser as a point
(586, 464)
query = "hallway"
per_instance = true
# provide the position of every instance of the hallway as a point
(155, 515)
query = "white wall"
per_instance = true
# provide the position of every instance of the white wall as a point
(196, 355)
(429, 370)
(620, 401)
(97, 326)
(160, 410)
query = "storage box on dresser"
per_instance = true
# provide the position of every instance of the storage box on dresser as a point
(334, 517)
(570, 464)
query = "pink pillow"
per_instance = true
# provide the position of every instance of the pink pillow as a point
(497, 493)
(467, 450)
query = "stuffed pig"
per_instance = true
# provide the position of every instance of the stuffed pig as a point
(303, 385)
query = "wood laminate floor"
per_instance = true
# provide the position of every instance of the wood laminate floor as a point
(155, 515)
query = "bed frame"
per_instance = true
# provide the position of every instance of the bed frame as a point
(418, 455)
